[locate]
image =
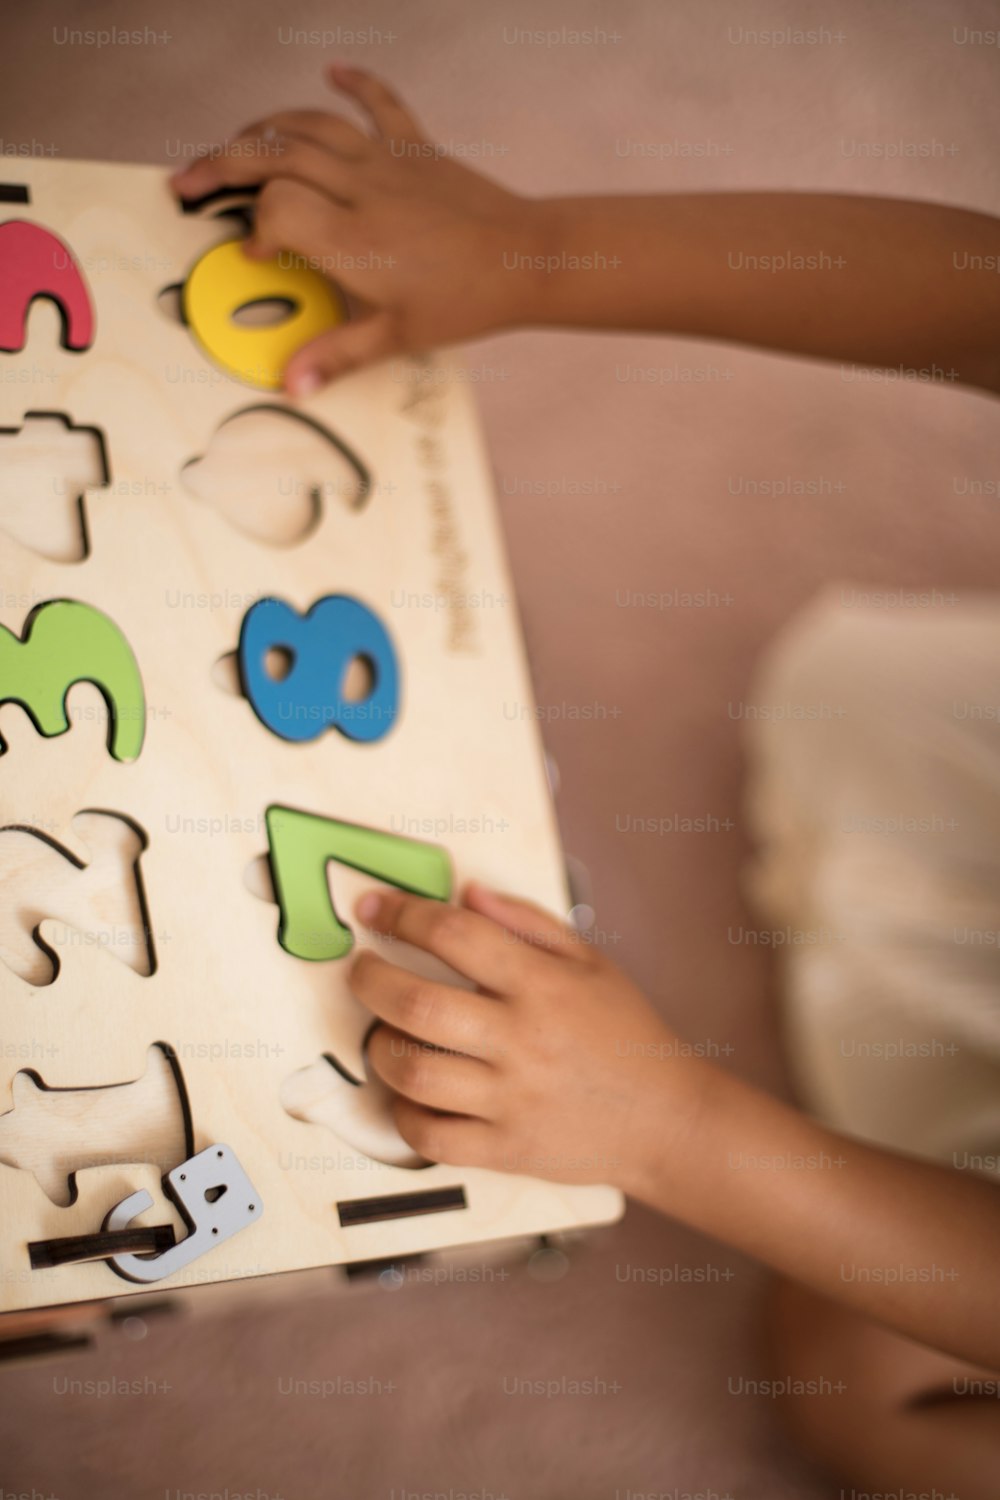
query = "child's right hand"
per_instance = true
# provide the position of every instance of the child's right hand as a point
(418, 239)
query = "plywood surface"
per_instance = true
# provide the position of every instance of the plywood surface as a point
(186, 531)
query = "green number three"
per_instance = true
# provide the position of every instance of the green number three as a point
(66, 642)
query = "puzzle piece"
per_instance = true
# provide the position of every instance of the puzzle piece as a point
(320, 646)
(46, 465)
(358, 1112)
(224, 282)
(268, 470)
(99, 904)
(303, 844)
(355, 686)
(66, 642)
(216, 1199)
(56, 1132)
(36, 263)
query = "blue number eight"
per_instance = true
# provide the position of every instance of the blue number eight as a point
(322, 643)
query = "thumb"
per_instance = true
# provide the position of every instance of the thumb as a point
(532, 924)
(344, 348)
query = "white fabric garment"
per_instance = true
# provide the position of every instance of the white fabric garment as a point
(874, 798)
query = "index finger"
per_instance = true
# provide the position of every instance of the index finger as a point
(471, 944)
(391, 117)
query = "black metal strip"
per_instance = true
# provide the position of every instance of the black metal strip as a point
(400, 1206)
(141, 1240)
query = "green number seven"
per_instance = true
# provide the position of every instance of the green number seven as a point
(66, 642)
(303, 844)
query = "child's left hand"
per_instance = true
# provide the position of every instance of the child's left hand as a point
(558, 1066)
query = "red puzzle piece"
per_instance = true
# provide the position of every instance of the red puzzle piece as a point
(35, 263)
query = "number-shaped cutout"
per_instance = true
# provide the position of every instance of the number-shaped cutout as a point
(358, 1110)
(100, 903)
(269, 472)
(57, 1132)
(46, 467)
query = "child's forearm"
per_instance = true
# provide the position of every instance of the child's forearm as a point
(910, 1243)
(437, 253)
(874, 281)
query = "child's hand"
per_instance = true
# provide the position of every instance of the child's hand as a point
(419, 240)
(558, 1067)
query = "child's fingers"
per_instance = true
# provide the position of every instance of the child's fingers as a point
(436, 1013)
(296, 216)
(528, 922)
(209, 173)
(454, 1139)
(332, 132)
(465, 941)
(438, 1080)
(390, 116)
(251, 160)
(348, 347)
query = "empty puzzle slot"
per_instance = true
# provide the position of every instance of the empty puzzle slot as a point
(100, 904)
(269, 471)
(359, 1112)
(56, 1132)
(400, 1206)
(46, 467)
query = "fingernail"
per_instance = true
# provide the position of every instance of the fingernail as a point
(368, 906)
(304, 382)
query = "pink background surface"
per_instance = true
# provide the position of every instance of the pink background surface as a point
(662, 458)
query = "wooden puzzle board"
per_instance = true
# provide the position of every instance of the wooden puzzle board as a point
(176, 573)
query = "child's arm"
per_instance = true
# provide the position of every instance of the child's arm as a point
(562, 1069)
(438, 253)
